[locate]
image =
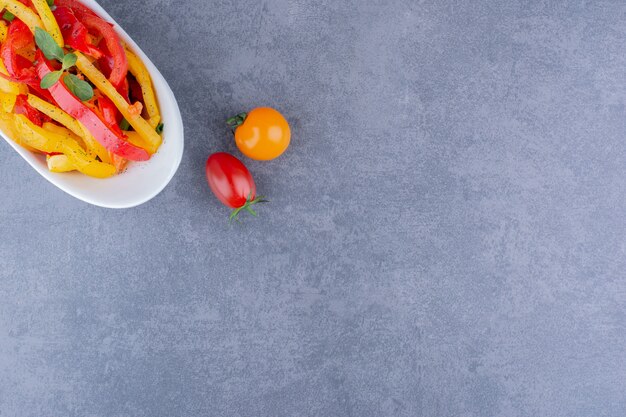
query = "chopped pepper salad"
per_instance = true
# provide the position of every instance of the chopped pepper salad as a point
(71, 90)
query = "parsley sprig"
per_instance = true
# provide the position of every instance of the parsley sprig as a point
(80, 88)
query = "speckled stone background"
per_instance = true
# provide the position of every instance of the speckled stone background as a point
(446, 237)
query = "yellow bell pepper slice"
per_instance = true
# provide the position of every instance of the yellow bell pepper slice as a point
(59, 163)
(141, 126)
(56, 114)
(59, 130)
(49, 22)
(7, 101)
(23, 13)
(3, 31)
(139, 70)
(8, 128)
(93, 146)
(63, 164)
(136, 139)
(45, 141)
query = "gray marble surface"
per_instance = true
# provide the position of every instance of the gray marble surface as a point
(446, 235)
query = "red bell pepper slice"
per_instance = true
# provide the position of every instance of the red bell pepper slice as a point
(113, 117)
(75, 5)
(124, 90)
(113, 44)
(18, 37)
(35, 89)
(136, 93)
(20, 69)
(106, 64)
(113, 141)
(34, 84)
(34, 115)
(74, 32)
(111, 39)
(110, 114)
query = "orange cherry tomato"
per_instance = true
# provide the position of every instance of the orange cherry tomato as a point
(262, 134)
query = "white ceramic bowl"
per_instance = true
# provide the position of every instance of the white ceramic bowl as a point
(141, 181)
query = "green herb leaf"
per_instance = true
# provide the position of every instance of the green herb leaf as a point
(78, 87)
(159, 128)
(50, 2)
(69, 61)
(8, 16)
(234, 216)
(50, 79)
(259, 200)
(47, 45)
(124, 125)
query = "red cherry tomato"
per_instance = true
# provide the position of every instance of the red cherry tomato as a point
(232, 183)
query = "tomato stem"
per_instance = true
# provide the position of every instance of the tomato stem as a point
(234, 216)
(236, 121)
